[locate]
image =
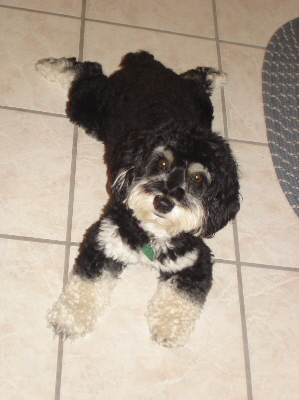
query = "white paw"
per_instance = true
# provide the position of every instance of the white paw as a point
(80, 304)
(171, 316)
(57, 70)
(218, 79)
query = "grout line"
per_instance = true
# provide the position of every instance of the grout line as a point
(148, 28)
(218, 49)
(243, 314)
(67, 255)
(77, 244)
(59, 368)
(267, 266)
(31, 239)
(247, 142)
(55, 14)
(68, 238)
(216, 33)
(220, 261)
(36, 240)
(28, 110)
(256, 265)
(49, 114)
(254, 46)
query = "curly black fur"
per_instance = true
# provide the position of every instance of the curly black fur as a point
(140, 108)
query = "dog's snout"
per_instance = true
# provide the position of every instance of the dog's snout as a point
(177, 193)
(163, 204)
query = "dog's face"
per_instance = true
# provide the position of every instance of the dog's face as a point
(176, 181)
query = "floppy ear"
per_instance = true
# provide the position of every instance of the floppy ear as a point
(221, 202)
(88, 96)
(128, 161)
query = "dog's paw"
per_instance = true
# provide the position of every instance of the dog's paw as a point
(59, 70)
(171, 316)
(79, 306)
(217, 79)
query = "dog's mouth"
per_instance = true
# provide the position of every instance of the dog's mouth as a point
(159, 215)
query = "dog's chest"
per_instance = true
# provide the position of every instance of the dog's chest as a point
(113, 247)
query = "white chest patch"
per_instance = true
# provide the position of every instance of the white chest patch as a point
(113, 247)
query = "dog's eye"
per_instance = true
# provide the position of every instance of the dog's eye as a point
(197, 178)
(162, 163)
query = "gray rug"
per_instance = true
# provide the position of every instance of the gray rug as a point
(281, 102)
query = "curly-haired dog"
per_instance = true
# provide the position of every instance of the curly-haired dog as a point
(172, 182)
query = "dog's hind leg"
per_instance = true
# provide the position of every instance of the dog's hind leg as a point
(216, 79)
(207, 77)
(61, 70)
(64, 70)
(87, 90)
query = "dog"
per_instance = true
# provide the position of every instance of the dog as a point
(172, 182)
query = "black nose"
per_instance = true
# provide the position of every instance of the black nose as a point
(162, 204)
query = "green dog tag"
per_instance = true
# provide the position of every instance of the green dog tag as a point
(148, 251)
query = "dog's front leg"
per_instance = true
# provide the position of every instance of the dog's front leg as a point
(176, 306)
(87, 294)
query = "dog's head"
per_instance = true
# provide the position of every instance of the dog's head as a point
(176, 179)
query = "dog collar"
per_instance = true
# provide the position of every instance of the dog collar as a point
(148, 251)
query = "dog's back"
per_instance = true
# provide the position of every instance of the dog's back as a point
(144, 94)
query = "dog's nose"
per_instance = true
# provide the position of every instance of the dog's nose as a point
(162, 204)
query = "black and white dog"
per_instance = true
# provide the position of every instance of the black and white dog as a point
(172, 182)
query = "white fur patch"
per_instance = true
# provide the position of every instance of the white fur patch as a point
(218, 79)
(80, 304)
(171, 316)
(113, 247)
(56, 70)
(164, 226)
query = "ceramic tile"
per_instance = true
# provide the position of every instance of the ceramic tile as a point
(243, 94)
(25, 37)
(268, 227)
(90, 188)
(273, 327)
(222, 244)
(30, 280)
(177, 52)
(67, 7)
(120, 361)
(35, 171)
(255, 21)
(191, 16)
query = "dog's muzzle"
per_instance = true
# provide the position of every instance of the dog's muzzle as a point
(163, 204)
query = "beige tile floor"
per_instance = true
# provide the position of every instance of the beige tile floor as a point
(246, 344)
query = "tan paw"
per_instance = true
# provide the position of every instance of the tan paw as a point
(57, 70)
(171, 316)
(81, 303)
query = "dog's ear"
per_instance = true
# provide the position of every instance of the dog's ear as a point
(124, 164)
(222, 200)
(88, 97)
(128, 161)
